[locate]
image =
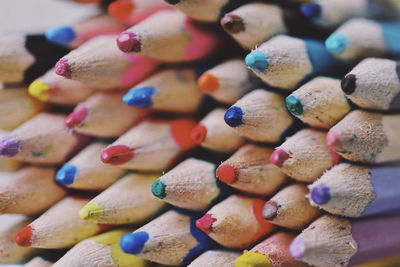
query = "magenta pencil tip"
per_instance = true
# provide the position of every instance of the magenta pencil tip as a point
(63, 68)
(9, 146)
(128, 42)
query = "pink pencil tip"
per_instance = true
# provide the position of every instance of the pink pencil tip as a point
(76, 118)
(205, 223)
(63, 68)
(333, 140)
(128, 42)
(278, 157)
(117, 155)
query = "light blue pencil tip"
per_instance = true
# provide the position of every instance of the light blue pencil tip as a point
(139, 97)
(256, 60)
(62, 35)
(336, 43)
(66, 175)
(133, 243)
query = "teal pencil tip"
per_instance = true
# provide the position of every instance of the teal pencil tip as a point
(158, 189)
(294, 105)
(336, 43)
(256, 60)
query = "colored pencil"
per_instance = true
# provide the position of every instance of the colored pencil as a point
(42, 139)
(59, 227)
(148, 38)
(170, 239)
(332, 241)
(129, 200)
(228, 81)
(285, 61)
(8, 164)
(332, 13)
(38, 262)
(273, 251)
(9, 251)
(24, 58)
(391, 261)
(86, 171)
(304, 156)
(132, 12)
(320, 103)
(151, 145)
(260, 116)
(75, 35)
(52, 88)
(100, 250)
(170, 90)
(289, 208)
(103, 115)
(350, 42)
(190, 185)
(30, 191)
(250, 171)
(236, 222)
(215, 258)
(374, 84)
(254, 23)
(16, 107)
(357, 191)
(366, 137)
(212, 133)
(99, 64)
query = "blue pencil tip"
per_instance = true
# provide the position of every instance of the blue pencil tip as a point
(320, 194)
(133, 243)
(233, 116)
(140, 97)
(336, 43)
(311, 10)
(63, 35)
(66, 175)
(256, 60)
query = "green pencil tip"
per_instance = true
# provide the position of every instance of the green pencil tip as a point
(158, 189)
(294, 105)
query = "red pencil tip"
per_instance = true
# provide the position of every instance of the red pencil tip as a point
(205, 223)
(76, 118)
(226, 174)
(117, 155)
(63, 68)
(335, 156)
(199, 133)
(278, 157)
(333, 140)
(121, 9)
(24, 237)
(128, 42)
(208, 82)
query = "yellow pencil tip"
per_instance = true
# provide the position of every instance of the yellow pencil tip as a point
(252, 259)
(39, 90)
(91, 212)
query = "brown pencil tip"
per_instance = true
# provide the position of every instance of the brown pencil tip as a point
(270, 210)
(232, 23)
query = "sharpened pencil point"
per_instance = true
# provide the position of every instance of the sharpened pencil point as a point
(128, 42)
(311, 10)
(297, 248)
(63, 35)
(226, 174)
(208, 82)
(139, 97)
(333, 140)
(232, 23)
(294, 105)
(348, 84)
(117, 155)
(198, 134)
(320, 194)
(133, 243)
(336, 43)
(252, 259)
(256, 60)
(158, 189)
(233, 116)
(63, 68)
(66, 175)
(39, 90)
(278, 157)
(205, 223)
(24, 237)
(91, 212)
(76, 118)
(121, 9)
(270, 210)
(9, 146)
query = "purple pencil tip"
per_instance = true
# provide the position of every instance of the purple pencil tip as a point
(321, 194)
(297, 248)
(9, 146)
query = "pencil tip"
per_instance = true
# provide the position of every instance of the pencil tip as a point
(208, 82)
(62, 35)
(172, 2)
(256, 60)
(320, 194)
(297, 248)
(270, 210)
(39, 90)
(252, 259)
(278, 157)
(311, 10)
(76, 118)
(9, 146)
(336, 43)
(294, 105)
(133, 243)
(198, 133)
(348, 84)
(63, 68)
(232, 23)
(333, 140)
(121, 9)
(128, 42)
(234, 116)
(158, 189)
(66, 175)
(117, 155)
(24, 237)
(205, 223)
(91, 212)
(139, 97)
(226, 173)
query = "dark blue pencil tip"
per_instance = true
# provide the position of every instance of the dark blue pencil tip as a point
(256, 60)
(233, 116)
(311, 10)
(320, 194)
(66, 175)
(133, 243)
(336, 43)
(139, 97)
(63, 35)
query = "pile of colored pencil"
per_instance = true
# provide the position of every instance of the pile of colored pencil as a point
(204, 133)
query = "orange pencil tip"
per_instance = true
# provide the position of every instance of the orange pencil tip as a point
(121, 9)
(278, 157)
(226, 173)
(205, 223)
(208, 82)
(199, 133)
(117, 155)
(181, 130)
(24, 237)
